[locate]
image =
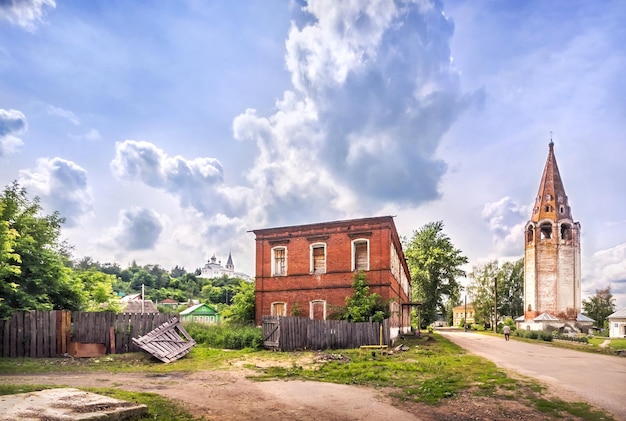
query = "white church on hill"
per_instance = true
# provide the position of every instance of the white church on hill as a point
(214, 269)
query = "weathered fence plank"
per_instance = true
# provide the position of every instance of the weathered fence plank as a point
(40, 333)
(296, 333)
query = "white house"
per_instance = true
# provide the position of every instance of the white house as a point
(617, 324)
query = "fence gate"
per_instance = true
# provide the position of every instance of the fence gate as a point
(271, 332)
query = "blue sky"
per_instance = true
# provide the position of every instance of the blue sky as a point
(165, 131)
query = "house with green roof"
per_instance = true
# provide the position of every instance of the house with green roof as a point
(200, 313)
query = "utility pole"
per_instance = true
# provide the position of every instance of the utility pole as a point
(495, 304)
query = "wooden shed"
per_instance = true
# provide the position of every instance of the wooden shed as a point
(200, 313)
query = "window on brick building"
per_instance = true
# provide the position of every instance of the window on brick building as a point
(279, 261)
(546, 230)
(279, 309)
(360, 255)
(318, 258)
(566, 232)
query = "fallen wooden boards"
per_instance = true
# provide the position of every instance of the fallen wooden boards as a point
(168, 342)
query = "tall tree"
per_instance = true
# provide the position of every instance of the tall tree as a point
(481, 290)
(600, 306)
(44, 280)
(511, 289)
(510, 282)
(435, 266)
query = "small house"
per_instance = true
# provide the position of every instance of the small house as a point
(169, 303)
(200, 313)
(617, 324)
(139, 306)
(463, 313)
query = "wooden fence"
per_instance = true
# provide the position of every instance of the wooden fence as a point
(38, 334)
(297, 333)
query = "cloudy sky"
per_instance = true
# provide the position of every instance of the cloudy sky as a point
(165, 131)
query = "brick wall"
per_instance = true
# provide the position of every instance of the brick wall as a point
(301, 286)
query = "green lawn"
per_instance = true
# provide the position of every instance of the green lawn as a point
(430, 371)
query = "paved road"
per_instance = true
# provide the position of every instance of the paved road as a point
(597, 379)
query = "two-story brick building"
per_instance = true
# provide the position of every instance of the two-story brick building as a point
(307, 270)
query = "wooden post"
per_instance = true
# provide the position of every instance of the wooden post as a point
(112, 339)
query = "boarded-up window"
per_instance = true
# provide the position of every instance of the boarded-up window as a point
(279, 309)
(318, 253)
(279, 261)
(318, 310)
(361, 255)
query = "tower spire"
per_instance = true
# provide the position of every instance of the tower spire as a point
(551, 202)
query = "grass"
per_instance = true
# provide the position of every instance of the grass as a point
(431, 371)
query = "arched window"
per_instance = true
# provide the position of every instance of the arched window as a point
(566, 232)
(530, 234)
(546, 231)
(360, 254)
(318, 258)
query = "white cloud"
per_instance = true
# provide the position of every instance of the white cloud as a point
(137, 229)
(62, 186)
(65, 114)
(606, 268)
(12, 123)
(25, 13)
(359, 130)
(197, 183)
(506, 220)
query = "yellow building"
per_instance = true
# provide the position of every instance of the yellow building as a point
(463, 312)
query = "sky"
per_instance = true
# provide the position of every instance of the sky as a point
(164, 132)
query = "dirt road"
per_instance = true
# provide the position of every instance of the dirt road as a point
(597, 379)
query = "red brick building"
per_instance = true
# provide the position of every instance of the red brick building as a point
(307, 270)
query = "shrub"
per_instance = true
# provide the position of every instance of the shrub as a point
(546, 336)
(226, 336)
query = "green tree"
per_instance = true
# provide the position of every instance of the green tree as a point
(100, 289)
(243, 308)
(511, 289)
(481, 289)
(31, 241)
(600, 306)
(435, 266)
(510, 281)
(361, 305)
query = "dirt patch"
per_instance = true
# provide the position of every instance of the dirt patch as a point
(230, 395)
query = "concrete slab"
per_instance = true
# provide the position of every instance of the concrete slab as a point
(67, 404)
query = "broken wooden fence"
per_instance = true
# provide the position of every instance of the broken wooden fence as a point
(296, 333)
(168, 342)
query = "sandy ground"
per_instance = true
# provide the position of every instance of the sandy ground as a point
(229, 395)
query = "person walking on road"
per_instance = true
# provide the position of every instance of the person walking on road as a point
(507, 332)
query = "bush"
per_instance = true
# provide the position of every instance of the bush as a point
(226, 336)
(545, 336)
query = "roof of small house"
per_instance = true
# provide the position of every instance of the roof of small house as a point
(619, 314)
(521, 319)
(583, 318)
(134, 306)
(545, 317)
(201, 308)
(131, 297)
(169, 301)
